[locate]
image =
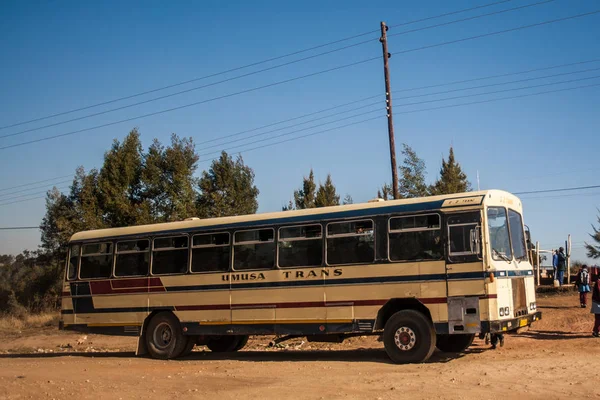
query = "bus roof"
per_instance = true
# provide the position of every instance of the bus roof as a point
(420, 204)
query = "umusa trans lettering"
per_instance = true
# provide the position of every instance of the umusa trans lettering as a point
(258, 276)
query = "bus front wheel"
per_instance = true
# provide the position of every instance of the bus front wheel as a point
(454, 343)
(164, 337)
(409, 337)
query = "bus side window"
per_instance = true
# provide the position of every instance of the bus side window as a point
(210, 252)
(350, 242)
(96, 260)
(254, 249)
(133, 258)
(464, 237)
(416, 237)
(170, 255)
(300, 246)
(73, 262)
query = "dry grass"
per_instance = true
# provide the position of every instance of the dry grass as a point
(10, 323)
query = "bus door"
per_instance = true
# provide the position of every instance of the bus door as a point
(464, 271)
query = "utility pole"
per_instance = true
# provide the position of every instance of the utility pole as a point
(388, 105)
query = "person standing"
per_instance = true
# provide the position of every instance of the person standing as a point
(554, 264)
(596, 309)
(561, 265)
(583, 285)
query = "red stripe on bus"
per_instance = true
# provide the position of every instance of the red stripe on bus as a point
(306, 304)
(136, 283)
(142, 285)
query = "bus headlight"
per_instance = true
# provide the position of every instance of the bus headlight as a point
(501, 312)
(532, 306)
(506, 311)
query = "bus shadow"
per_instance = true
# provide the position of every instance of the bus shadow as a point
(554, 335)
(360, 355)
(558, 307)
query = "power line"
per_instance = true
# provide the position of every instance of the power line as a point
(498, 91)
(435, 108)
(559, 190)
(9, 228)
(295, 78)
(33, 188)
(376, 103)
(503, 83)
(192, 104)
(449, 13)
(30, 194)
(403, 90)
(289, 120)
(471, 18)
(498, 32)
(497, 76)
(292, 132)
(307, 135)
(180, 92)
(35, 183)
(248, 65)
(293, 126)
(498, 99)
(258, 71)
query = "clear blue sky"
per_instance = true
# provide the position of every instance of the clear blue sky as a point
(61, 55)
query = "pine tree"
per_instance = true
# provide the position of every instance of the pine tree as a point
(227, 189)
(305, 197)
(412, 175)
(326, 195)
(593, 250)
(120, 183)
(385, 192)
(452, 178)
(169, 182)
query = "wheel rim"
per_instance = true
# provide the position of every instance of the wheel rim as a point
(405, 338)
(163, 335)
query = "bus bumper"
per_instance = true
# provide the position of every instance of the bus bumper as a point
(511, 324)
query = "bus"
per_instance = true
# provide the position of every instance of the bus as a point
(421, 273)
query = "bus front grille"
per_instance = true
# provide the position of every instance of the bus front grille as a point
(519, 297)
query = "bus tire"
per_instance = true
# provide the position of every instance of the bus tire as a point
(164, 337)
(409, 337)
(223, 344)
(243, 341)
(189, 347)
(454, 343)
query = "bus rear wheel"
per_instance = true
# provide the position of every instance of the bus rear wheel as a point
(224, 344)
(164, 337)
(409, 337)
(454, 343)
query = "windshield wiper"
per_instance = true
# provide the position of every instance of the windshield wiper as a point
(502, 256)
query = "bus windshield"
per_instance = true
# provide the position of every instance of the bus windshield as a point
(499, 236)
(517, 236)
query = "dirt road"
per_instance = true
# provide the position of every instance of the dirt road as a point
(557, 358)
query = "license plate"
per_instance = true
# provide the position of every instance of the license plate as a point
(523, 322)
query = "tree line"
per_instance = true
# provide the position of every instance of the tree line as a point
(137, 186)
